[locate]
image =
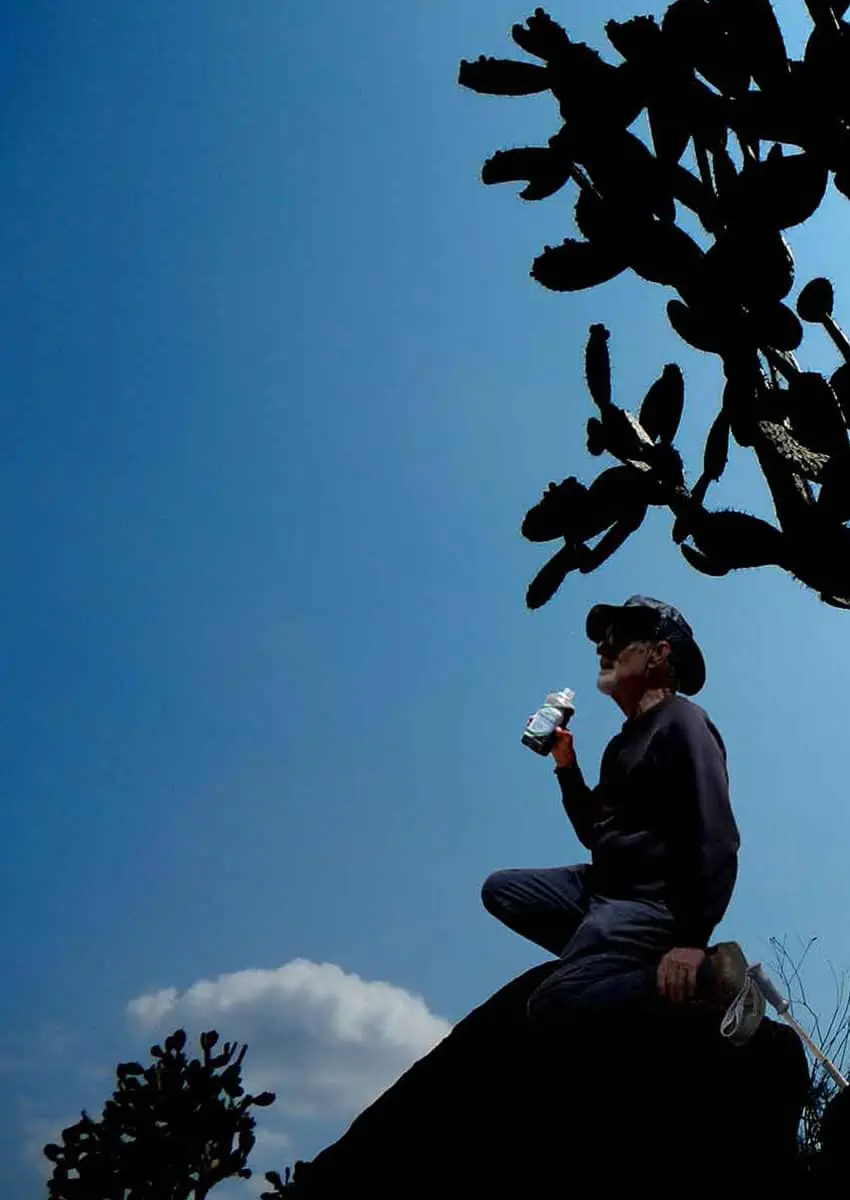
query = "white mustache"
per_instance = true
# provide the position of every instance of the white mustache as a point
(605, 681)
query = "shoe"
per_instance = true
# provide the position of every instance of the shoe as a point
(726, 981)
(722, 975)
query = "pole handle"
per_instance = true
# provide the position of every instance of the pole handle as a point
(769, 989)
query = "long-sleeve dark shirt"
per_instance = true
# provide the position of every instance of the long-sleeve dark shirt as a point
(659, 824)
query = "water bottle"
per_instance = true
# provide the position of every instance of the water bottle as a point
(555, 714)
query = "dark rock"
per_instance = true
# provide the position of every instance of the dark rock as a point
(830, 1167)
(656, 1099)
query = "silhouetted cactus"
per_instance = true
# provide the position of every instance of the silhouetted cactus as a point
(291, 1181)
(716, 83)
(172, 1130)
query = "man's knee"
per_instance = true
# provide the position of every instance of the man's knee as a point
(493, 892)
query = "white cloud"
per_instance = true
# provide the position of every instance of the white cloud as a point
(268, 1139)
(148, 1010)
(325, 1041)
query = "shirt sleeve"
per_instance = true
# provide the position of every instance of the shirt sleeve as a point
(578, 801)
(704, 838)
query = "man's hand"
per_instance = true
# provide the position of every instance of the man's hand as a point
(677, 973)
(563, 751)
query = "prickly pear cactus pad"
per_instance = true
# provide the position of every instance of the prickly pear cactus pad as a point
(747, 140)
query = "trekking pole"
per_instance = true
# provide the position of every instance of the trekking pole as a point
(757, 975)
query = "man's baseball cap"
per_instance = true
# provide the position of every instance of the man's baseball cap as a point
(650, 618)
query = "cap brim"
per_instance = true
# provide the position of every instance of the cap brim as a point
(600, 618)
(690, 668)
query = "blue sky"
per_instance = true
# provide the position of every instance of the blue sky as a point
(277, 391)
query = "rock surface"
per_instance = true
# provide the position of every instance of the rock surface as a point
(653, 1100)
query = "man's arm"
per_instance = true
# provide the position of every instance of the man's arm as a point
(704, 843)
(704, 837)
(576, 796)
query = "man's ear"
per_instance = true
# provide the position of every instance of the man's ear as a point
(660, 653)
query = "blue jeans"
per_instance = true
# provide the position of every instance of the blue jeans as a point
(609, 948)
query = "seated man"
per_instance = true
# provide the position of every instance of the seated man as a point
(636, 920)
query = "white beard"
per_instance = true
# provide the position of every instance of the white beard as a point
(606, 682)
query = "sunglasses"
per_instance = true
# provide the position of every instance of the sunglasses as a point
(617, 638)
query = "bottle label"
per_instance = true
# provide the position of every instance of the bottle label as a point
(544, 721)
